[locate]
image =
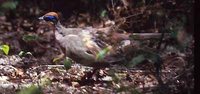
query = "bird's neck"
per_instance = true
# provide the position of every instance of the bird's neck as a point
(58, 25)
(59, 28)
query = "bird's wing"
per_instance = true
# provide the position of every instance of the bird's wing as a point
(76, 46)
(89, 42)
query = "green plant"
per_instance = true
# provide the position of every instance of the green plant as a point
(31, 90)
(102, 53)
(22, 53)
(142, 55)
(8, 5)
(67, 63)
(30, 37)
(5, 49)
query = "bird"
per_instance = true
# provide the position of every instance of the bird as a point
(81, 44)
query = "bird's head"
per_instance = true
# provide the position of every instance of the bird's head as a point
(50, 17)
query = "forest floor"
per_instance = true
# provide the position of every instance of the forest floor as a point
(30, 63)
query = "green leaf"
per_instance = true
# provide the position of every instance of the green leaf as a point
(29, 53)
(45, 81)
(57, 59)
(31, 90)
(153, 56)
(102, 53)
(67, 63)
(103, 13)
(28, 38)
(142, 55)
(181, 38)
(9, 5)
(174, 34)
(22, 53)
(136, 60)
(5, 49)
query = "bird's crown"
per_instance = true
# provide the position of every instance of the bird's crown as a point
(50, 16)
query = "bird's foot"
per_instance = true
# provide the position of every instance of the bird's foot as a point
(58, 57)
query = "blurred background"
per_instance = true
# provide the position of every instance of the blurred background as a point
(20, 27)
(22, 31)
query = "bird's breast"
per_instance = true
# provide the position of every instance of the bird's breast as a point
(58, 36)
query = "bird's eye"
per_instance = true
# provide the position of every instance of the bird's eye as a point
(50, 18)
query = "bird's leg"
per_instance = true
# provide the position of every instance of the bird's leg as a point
(61, 55)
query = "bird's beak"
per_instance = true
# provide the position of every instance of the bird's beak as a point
(41, 18)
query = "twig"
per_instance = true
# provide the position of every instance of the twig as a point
(148, 35)
(128, 16)
(161, 40)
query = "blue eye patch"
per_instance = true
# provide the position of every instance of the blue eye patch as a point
(50, 18)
